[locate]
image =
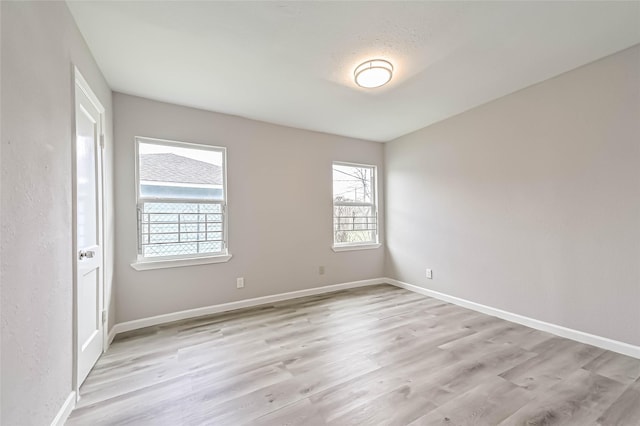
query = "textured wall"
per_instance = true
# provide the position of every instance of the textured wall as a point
(279, 205)
(530, 203)
(40, 42)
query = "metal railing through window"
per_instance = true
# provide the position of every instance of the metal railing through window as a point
(178, 228)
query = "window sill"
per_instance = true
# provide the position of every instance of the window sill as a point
(356, 247)
(145, 265)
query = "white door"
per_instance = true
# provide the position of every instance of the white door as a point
(88, 223)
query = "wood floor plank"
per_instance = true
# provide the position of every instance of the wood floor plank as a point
(375, 355)
(340, 399)
(398, 407)
(464, 375)
(618, 367)
(302, 412)
(579, 400)
(556, 359)
(625, 411)
(486, 404)
(434, 418)
(163, 403)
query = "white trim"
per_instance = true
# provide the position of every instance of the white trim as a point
(177, 263)
(368, 246)
(86, 89)
(111, 336)
(214, 309)
(352, 164)
(66, 409)
(179, 144)
(569, 333)
(180, 185)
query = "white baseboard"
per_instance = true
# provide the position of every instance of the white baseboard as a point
(214, 309)
(569, 333)
(68, 406)
(580, 336)
(111, 336)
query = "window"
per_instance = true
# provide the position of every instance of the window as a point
(181, 200)
(355, 209)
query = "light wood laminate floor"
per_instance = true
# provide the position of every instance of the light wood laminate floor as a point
(376, 355)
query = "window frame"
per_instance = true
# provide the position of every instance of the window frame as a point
(338, 247)
(144, 263)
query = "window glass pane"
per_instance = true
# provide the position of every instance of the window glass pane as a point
(352, 184)
(180, 173)
(174, 229)
(354, 224)
(354, 204)
(181, 205)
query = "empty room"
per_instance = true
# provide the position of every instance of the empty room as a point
(319, 213)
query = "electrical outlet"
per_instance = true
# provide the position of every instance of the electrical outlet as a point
(321, 270)
(429, 273)
(240, 282)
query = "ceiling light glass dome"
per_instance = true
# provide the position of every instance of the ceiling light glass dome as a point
(373, 73)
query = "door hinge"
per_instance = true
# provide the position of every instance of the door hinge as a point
(102, 141)
(104, 317)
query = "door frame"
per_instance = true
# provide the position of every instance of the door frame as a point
(79, 83)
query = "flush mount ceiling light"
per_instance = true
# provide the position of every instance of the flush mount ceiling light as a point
(373, 73)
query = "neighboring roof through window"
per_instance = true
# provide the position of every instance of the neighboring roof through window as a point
(167, 167)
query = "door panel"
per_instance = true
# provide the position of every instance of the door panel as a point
(88, 244)
(88, 294)
(86, 183)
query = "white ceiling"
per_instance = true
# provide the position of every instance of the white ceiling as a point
(292, 63)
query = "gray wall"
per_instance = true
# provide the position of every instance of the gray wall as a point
(40, 42)
(530, 203)
(279, 205)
